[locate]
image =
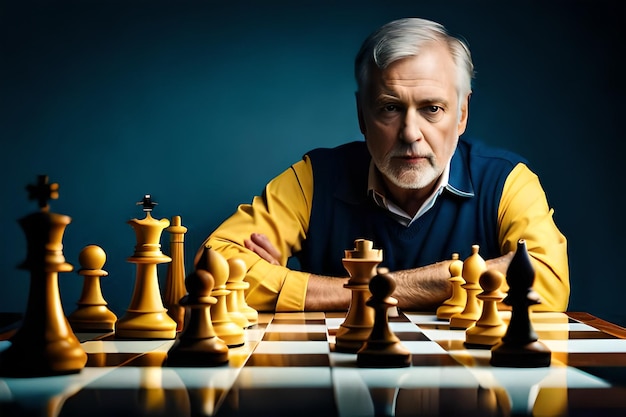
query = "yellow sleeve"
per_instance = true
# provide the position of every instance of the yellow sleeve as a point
(282, 214)
(524, 214)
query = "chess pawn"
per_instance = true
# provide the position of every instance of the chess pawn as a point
(473, 266)
(237, 274)
(489, 328)
(225, 328)
(520, 346)
(45, 344)
(146, 317)
(198, 344)
(92, 313)
(175, 281)
(361, 263)
(235, 284)
(382, 349)
(456, 303)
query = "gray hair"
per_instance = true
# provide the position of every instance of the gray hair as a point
(403, 38)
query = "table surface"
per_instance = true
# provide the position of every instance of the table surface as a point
(288, 366)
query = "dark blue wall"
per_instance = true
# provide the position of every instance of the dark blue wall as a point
(200, 104)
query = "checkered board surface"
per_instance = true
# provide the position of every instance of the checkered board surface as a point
(289, 367)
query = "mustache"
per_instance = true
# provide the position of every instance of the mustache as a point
(408, 150)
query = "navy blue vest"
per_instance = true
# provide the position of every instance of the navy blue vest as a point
(466, 213)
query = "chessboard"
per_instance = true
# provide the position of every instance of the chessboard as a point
(288, 366)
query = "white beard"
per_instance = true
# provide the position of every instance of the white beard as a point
(409, 176)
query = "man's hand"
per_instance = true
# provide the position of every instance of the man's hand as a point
(260, 244)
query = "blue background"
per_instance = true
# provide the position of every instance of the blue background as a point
(200, 103)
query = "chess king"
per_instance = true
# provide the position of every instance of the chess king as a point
(45, 344)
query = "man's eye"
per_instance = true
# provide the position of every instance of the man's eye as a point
(433, 109)
(390, 108)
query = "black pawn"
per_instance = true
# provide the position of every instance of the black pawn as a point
(382, 349)
(520, 347)
(198, 345)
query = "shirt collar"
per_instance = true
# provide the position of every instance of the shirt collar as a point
(454, 179)
(377, 191)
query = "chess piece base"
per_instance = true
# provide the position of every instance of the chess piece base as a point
(461, 322)
(484, 337)
(230, 333)
(28, 358)
(92, 318)
(383, 355)
(350, 338)
(197, 353)
(531, 355)
(155, 325)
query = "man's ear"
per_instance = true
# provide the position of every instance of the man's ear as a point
(464, 115)
(359, 111)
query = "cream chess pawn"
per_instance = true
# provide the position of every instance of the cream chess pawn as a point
(92, 313)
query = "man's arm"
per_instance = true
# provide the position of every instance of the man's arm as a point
(524, 213)
(419, 289)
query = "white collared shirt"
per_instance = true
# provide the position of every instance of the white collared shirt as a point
(376, 189)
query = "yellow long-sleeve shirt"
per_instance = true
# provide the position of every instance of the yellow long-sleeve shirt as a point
(282, 214)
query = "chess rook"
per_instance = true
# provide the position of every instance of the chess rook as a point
(520, 347)
(146, 317)
(45, 344)
(361, 263)
(92, 313)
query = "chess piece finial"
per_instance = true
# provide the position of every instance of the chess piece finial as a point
(456, 303)
(43, 192)
(146, 316)
(45, 344)
(361, 263)
(198, 344)
(383, 348)
(147, 203)
(92, 313)
(473, 266)
(520, 346)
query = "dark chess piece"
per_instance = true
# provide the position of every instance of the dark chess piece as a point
(382, 349)
(45, 344)
(198, 344)
(520, 347)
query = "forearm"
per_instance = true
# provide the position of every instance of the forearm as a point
(417, 289)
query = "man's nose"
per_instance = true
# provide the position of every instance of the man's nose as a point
(411, 131)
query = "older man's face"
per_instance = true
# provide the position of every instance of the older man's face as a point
(411, 118)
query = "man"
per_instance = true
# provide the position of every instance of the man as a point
(412, 187)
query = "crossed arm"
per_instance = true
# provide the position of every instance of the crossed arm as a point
(422, 288)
